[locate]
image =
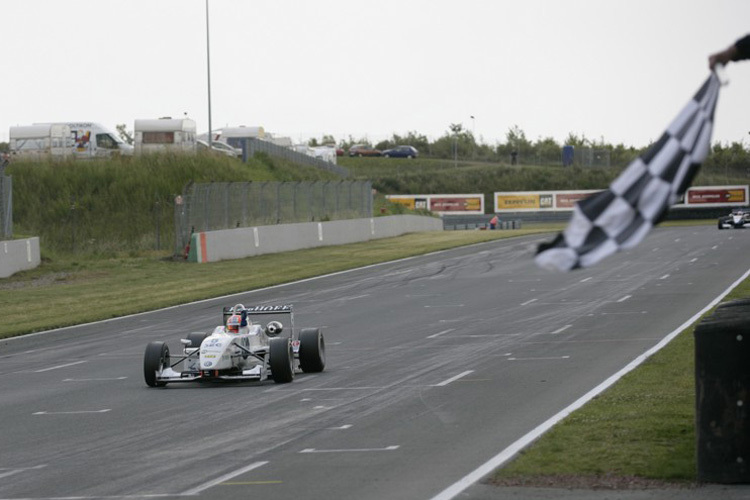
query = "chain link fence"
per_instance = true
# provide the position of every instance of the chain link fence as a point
(253, 146)
(6, 205)
(225, 205)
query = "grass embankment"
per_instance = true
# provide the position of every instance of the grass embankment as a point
(123, 204)
(436, 176)
(642, 429)
(80, 291)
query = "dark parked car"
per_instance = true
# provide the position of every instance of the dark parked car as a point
(401, 152)
(363, 150)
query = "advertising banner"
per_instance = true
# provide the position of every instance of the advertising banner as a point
(407, 202)
(516, 201)
(539, 201)
(568, 200)
(542, 201)
(707, 196)
(442, 203)
(456, 204)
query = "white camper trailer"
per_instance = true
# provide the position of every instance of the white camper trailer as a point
(234, 135)
(41, 141)
(165, 134)
(283, 141)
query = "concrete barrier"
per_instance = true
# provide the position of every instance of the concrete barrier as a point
(18, 255)
(226, 244)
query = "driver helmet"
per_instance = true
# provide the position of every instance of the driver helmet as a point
(233, 323)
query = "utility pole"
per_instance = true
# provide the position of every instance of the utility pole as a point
(208, 71)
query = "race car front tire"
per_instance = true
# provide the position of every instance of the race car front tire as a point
(155, 359)
(196, 338)
(281, 360)
(312, 350)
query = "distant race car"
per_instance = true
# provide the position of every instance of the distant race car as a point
(240, 349)
(735, 220)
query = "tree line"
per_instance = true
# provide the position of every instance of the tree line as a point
(460, 143)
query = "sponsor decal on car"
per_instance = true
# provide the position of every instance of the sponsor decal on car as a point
(266, 309)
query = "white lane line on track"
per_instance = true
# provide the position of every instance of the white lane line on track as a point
(435, 335)
(79, 412)
(453, 379)
(353, 298)
(664, 277)
(560, 330)
(511, 451)
(221, 479)
(298, 381)
(624, 298)
(11, 472)
(529, 302)
(584, 280)
(342, 389)
(340, 428)
(695, 259)
(59, 366)
(539, 359)
(350, 450)
(714, 247)
(92, 379)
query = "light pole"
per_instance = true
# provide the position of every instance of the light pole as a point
(473, 138)
(455, 149)
(208, 71)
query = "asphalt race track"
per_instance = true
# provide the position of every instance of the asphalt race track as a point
(435, 365)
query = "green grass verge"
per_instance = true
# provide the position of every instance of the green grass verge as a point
(642, 427)
(74, 292)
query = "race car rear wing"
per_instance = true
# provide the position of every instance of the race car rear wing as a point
(285, 309)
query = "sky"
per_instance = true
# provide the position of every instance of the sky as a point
(611, 70)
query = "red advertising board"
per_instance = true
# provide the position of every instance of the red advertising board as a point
(455, 204)
(568, 200)
(703, 196)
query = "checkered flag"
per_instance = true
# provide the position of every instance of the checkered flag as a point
(621, 216)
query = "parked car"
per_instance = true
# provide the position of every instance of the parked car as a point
(363, 150)
(401, 152)
(219, 147)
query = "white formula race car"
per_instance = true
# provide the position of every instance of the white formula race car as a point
(242, 348)
(735, 220)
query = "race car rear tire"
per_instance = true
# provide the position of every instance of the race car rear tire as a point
(281, 359)
(312, 350)
(155, 359)
(196, 338)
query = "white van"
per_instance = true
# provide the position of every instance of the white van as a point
(92, 140)
(165, 134)
(41, 141)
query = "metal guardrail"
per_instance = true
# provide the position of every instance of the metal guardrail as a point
(227, 205)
